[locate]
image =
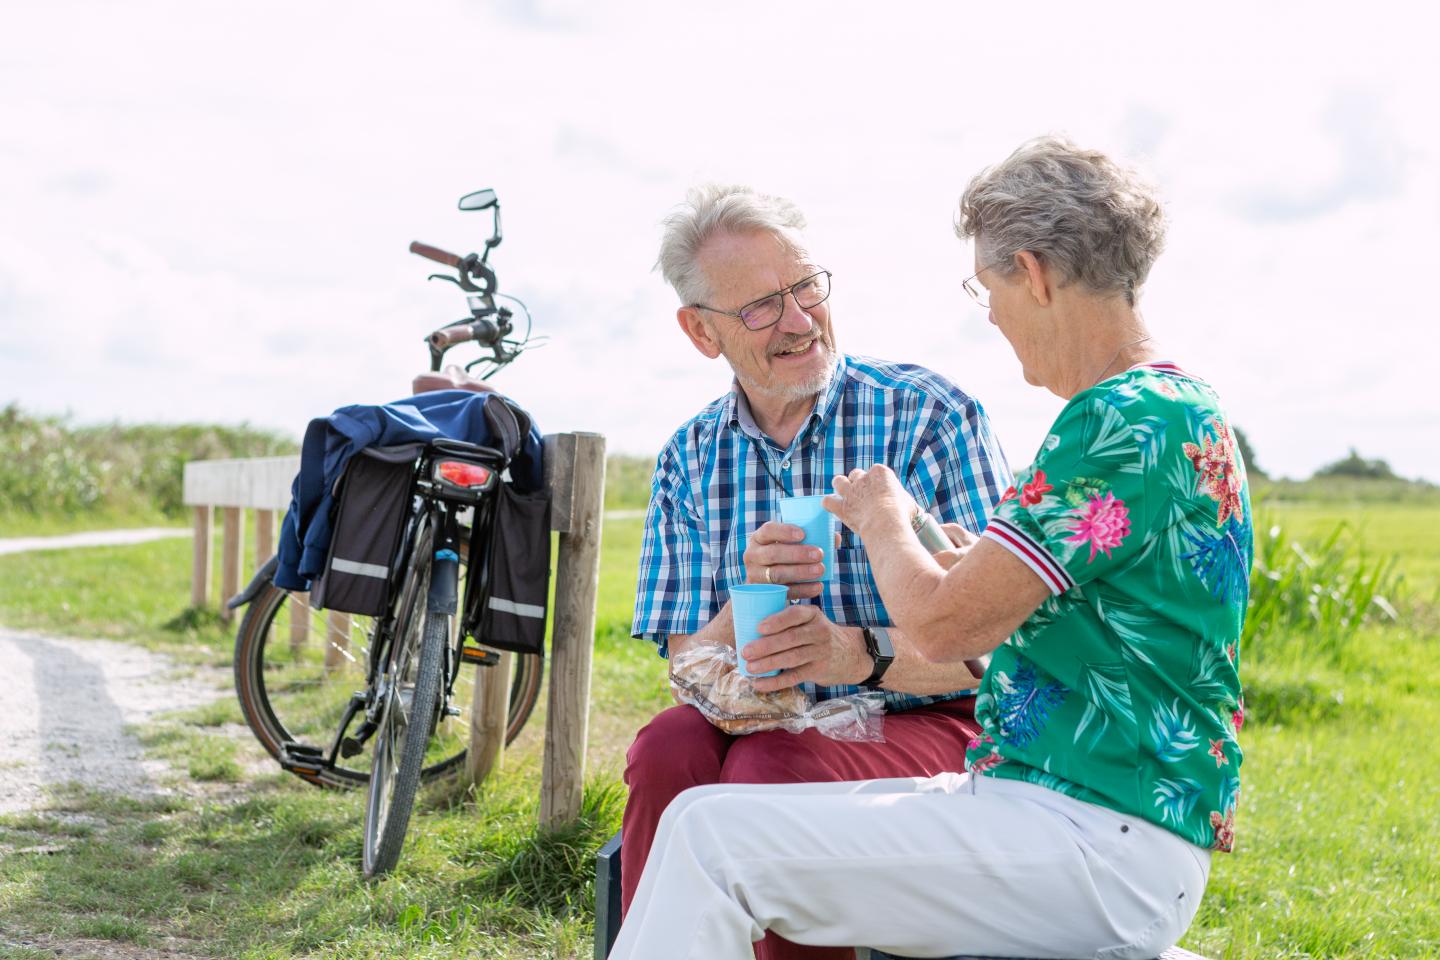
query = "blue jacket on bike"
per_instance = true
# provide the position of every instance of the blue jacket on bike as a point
(331, 441)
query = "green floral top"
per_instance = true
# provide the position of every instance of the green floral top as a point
(1122, 689)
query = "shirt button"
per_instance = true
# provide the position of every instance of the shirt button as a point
(785, 464)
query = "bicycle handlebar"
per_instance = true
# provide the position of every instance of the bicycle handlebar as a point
(435, 253)
(447, 337)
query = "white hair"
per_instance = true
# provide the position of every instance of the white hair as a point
(711, 209)
(1086, 216)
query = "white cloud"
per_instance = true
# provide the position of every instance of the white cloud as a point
(205, 211)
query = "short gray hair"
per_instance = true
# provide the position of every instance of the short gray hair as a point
(715, 208)
(1086, 216)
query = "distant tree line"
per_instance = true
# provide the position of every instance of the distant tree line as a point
(1351, 466)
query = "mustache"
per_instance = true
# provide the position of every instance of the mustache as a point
(797, 341)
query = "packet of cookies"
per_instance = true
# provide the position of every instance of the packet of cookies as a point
(705, 676)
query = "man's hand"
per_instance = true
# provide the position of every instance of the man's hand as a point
(805, 645)
(777, 554)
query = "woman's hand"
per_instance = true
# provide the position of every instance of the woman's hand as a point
(868, 497)
(962, 539)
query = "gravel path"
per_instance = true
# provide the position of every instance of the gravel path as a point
(99, 538)
(64, 706)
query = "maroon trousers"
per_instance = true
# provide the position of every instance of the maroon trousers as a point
(680, 749)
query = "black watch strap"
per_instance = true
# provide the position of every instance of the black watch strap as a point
(881, 650)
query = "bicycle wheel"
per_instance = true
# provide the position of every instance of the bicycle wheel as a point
(295, 689)
(410, 688)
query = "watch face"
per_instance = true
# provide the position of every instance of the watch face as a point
(883, 646)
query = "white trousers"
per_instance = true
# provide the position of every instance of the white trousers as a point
(917, 867)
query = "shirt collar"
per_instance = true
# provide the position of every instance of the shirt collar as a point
(739, 415)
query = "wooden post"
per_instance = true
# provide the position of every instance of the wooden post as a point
(299, 622)
(232, 558)
(337, 641)
(577, 579)
(200, 567)
(264, 536)
(489, 716)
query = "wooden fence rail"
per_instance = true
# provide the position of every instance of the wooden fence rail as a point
(575, 474)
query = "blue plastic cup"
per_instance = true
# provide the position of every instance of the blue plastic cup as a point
(820, 526)
(749, 604)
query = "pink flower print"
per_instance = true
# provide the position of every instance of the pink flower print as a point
(1168, 388)
(1217, 750)
(1224, 828)
(1214, 460)
(1238, 717)
(1009, 494)
(990, 761)
(1104, 522)
(1033, 491)
(1230, 652)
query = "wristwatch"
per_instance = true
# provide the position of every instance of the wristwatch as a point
(881, 650)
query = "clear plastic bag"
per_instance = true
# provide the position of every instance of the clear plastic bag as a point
(705, 677)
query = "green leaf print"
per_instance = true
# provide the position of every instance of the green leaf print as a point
(1125, 395)
(1051, 610)
(1150, 435)
(1108, 440)
(1176, 799)
(1181, 478)
(1107, 695)
(1172, 732)
(1044, 778)
(1133, 626)
(1229, 793)
(1139, 559)
(1208, 670)
(1179, 531)
(1081, 490)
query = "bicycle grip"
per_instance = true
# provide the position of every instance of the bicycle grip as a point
(434, 253)
(449, 336)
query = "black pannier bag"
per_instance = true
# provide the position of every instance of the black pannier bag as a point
(372, 501)
(518, 564)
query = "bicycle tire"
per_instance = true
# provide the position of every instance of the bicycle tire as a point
(264, 655)
(400, 744)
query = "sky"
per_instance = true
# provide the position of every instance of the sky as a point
(205, 209)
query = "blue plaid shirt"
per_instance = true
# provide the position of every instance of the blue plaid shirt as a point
(711, 490)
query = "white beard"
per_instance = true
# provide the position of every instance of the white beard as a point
(791, 391)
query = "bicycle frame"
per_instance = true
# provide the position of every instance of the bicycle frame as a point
(440, 504)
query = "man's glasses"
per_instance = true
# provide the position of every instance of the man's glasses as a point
(767, 311)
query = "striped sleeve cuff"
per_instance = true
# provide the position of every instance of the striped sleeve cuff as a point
(1030, 553)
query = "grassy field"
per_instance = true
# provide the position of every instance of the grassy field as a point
(1335, 845)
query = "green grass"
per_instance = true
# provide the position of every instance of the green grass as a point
(25, 524)
(1411, 533)
(1335, 837)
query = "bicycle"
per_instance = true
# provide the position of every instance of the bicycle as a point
(416, 698)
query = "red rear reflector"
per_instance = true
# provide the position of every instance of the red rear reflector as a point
(464, 474)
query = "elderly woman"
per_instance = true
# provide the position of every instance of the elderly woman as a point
(1111, 586)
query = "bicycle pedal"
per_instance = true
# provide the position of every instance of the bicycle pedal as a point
(452, 711)
(350, 747)
(479, 656)
(302, 759)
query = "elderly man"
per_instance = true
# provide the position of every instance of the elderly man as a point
(798, 413)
